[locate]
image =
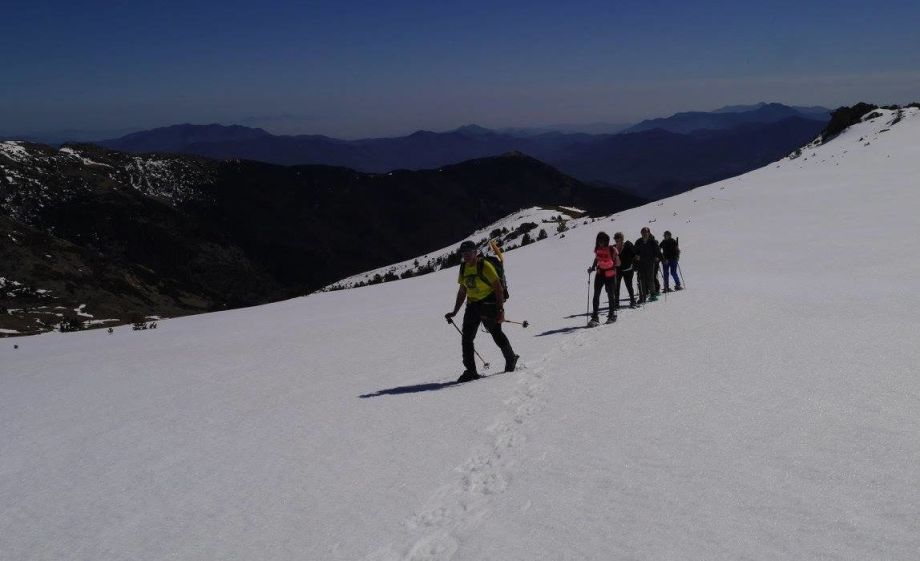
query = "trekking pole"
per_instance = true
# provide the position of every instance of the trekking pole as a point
(485, 365)
(523, 324)
(588, 301)
(683, 281)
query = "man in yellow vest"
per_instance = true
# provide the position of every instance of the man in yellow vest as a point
(481, 287)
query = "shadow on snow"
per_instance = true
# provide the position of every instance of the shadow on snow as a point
(411, 389)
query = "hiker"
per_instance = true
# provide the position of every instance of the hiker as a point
(605, 263)
(670, 253)
(656, 273)
(647, 255)
(625, 271)
(481, 287)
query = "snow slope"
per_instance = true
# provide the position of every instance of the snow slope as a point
(769, 411)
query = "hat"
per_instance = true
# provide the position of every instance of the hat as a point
(467, 246)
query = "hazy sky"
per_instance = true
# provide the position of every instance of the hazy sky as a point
(351, 69)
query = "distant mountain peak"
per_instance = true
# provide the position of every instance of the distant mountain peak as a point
(472, 130)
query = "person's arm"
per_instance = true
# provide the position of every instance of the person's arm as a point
(616, 256)
(461, 296)
(499, 300)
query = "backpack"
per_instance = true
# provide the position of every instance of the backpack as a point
(499, 270)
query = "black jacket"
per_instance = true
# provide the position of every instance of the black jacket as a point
(627, 256)
(670, 249)
(647, 251)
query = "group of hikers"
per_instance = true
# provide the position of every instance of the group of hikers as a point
(617, 264)
(483, 289)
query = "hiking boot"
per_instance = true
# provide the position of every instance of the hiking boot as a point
(666, 289)
(511, 364)
(632, 303)
(611, 319)
(468, 375)
(653, 298)
(594, 322)
(678, 287)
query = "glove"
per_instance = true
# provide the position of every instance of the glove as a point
(449, 316)
(591, 269)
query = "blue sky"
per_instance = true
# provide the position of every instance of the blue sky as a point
(386, 68)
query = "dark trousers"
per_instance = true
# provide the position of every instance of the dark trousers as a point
(485, 312)
(602, 281)
(627, 277)
(646, 279)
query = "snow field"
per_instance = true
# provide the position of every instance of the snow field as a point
(769, 411)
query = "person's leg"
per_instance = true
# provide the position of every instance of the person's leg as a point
(611, 299)
(674, 275)
(644, 281)
(664, 274)
(598, 284)
(628, 279)
(495, 329)
(471, 320)
(639, 285)
(616, 289)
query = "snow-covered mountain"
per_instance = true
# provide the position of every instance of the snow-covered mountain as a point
(768, 411)
(516, 230)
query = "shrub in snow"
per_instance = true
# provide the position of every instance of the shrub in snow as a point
(452, 259)
(542, 235)
(70, 324)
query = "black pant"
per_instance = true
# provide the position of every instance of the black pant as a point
(601, 281)
(486, 312)
(627, 277)
(646, 279)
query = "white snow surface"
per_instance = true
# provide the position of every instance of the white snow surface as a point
(769, 411)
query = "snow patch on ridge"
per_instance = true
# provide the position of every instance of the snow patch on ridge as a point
(14, 150)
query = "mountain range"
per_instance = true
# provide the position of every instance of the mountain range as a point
(128, 236)
(729, 117)
(722, 143)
